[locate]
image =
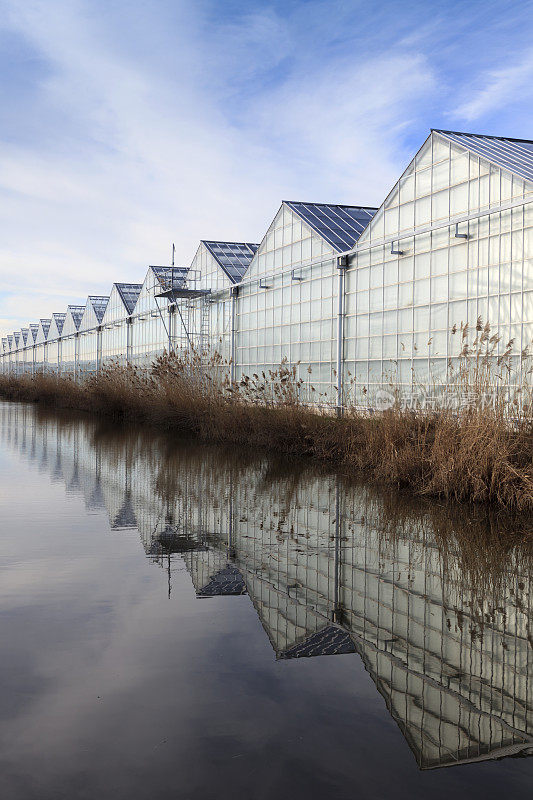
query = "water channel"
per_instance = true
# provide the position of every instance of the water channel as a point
(182, 621)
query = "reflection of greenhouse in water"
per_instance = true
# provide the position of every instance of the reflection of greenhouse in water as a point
(454, 669)
(351, 296)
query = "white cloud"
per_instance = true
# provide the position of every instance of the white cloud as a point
(149, 150)
(500, 88)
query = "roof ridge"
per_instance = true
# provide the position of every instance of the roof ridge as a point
(220, 241)
(513, 155)
(331, 205)
(482, 135)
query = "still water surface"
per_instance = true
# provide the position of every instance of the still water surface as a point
(177, 621)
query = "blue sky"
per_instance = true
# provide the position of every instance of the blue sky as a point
(125, 126)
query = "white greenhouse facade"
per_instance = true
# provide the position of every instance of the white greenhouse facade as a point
(351, 297)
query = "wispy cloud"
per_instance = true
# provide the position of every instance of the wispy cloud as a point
(498, 88)
(127, 126)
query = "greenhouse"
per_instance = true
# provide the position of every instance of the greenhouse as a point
(351, 297)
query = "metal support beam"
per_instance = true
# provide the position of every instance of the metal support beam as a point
(98, 349)
(342, 264)
(129, 326)
(76, 356)
(233, 343)
(170, 331)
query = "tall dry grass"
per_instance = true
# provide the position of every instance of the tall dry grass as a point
(478, 448)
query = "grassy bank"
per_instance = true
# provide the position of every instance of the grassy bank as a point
(479, 452)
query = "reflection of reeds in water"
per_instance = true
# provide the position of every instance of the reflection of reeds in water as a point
(479, 549)
(474, 443)
(483, 554)
(435, 597)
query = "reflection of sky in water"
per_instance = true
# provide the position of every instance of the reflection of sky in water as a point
(111, 689)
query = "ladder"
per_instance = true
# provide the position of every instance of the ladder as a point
(205, 317)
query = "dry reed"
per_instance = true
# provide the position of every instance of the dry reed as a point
(478, 448)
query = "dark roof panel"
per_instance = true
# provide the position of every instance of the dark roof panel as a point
(60, 321)
(45, 324)
(129, 292)
(99, 304)
(515, 155)
(233, 257)
(76, 313)
(170, 277)
(227, 581)
(329, 641)
(340, 226)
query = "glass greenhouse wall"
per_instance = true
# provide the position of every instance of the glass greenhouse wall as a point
(352, 298)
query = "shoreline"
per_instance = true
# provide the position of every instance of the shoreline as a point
(474, 457)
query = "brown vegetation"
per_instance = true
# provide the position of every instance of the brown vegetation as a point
(479, 449)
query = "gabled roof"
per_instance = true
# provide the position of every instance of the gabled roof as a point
(227, 581)
(25, 333)
(329, 641)
(33, 331)
(515, 155)
(17, 337)
(233, 257)
(99, 304)
(129, 292)
(45, 325)
(76, 312)
(170, 277)
(340, 226)
(59, 320)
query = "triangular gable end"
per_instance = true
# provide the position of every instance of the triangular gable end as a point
(94, 312)
(73, 319)
(42, 331)
(157, 281)
(25, 333)
(122, 299)
(206, 271)
(289, 241)
(17, 336)
(513, 155)
(99, 303)
(376, 229)
(128, 292)
(435, 185)
(56, 326)
(232, 259)
(34, 327)
(89, 319)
